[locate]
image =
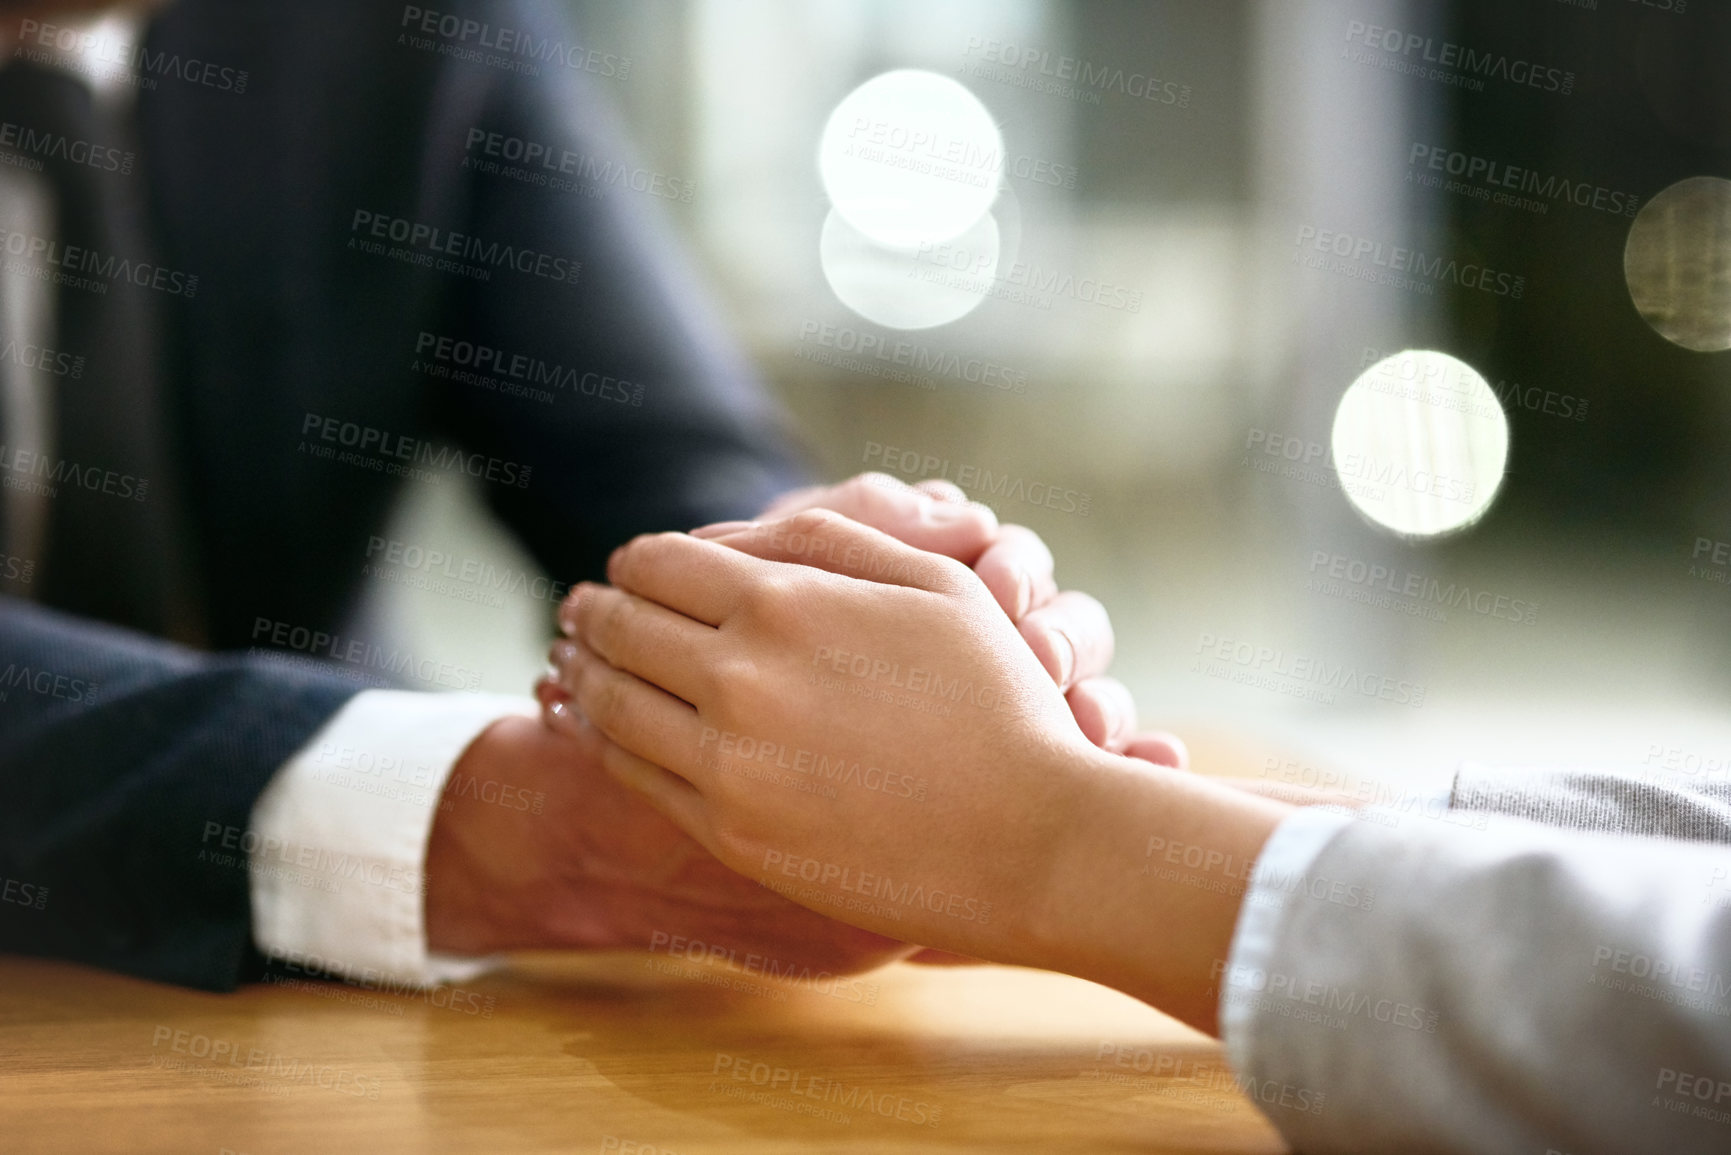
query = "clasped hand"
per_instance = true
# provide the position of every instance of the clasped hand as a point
(866, 731)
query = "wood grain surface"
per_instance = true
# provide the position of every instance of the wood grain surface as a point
(636, 1054)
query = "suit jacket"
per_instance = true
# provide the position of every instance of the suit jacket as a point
(356, 260)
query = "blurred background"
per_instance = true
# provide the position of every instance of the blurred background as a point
(1169, 439)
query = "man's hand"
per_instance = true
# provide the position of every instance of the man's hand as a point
(598, 868)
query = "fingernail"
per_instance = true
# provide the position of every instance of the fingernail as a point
(1066, 657)
(568, 615)
(549, 692)
(722, 528)
(1024, 594)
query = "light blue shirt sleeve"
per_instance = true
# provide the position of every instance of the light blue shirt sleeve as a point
(1658, 802)
(1432, 987)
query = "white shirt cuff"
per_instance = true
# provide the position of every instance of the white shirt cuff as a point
(1282, 866)
(338, 862)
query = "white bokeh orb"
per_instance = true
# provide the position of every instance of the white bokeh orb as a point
(931, 284)
(1677, 262)
(1420, 444)
(911, 156)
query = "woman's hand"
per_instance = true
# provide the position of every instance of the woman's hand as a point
(865, 732)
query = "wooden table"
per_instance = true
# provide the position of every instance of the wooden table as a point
(633, 1054)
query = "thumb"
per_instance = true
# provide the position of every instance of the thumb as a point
(1161, 748)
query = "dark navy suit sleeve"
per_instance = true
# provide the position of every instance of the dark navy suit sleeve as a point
(657, 420)
(128, 771)
(126, 784)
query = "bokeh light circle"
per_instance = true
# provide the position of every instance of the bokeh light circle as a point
(932, 284)
(1677, 263)
(911, 157)
(1420, 444)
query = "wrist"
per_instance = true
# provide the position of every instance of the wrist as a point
(470, 899)
(1055, 932)
(1145, 887)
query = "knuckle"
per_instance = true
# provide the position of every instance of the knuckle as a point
(622, 561)
(604, 702)
(999, 558)
(1042, 619)
(640, 551)
(815, 521)
(765, 601)
(654, 549)
(1028, 544)
(947, 493)
(732, 685)
(1086, 605)
(791, 500)
(707, 682)
(1119, 695)
(1091, 619)
(879, 482)
(885, 492)
(949, 576)
(612, 623)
